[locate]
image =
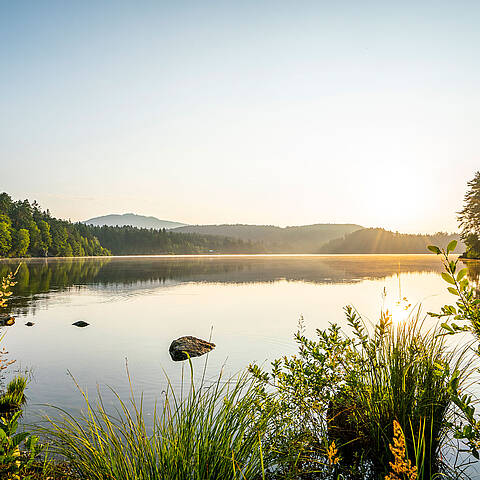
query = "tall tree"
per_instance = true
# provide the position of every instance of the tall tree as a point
(5, 237)
(22, 242)
(469, 218)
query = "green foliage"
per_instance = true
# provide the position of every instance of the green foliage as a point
(14, 464)
(142, 241)
(5, 238)
(22, 242)
(13, 398)
(469, 218)
(26, 230)
(215, 433)
(348, 389)
(463, 316)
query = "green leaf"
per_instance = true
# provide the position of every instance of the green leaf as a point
(19, 438)
(447, 327)
(461, 274)
(448, 278)
(452, 290)
(434, 249)
(451, 246)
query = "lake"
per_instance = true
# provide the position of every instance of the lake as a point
(249, 305)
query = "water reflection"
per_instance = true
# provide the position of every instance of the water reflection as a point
(38, 276)
(473, 272)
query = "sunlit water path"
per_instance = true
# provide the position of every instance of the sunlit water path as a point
(137, 305)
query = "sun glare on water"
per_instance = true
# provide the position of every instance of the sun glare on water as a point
(401, 310)
(397, 310)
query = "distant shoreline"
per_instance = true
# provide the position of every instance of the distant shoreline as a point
(234, 255)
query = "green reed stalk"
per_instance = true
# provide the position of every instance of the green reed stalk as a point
(215, 432)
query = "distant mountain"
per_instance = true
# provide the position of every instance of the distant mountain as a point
(300, 239)
(131, 219)
(379, 240)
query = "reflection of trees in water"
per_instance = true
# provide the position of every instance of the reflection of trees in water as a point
(36, 278)
(473, 267)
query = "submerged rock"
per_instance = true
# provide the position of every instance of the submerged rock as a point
(192, 346)
(81, 323)
(30, 324)
(6, 320)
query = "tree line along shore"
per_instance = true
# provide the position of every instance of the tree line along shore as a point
(28, 231)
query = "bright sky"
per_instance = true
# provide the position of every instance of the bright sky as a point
(268, 112)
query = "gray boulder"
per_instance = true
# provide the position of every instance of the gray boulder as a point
(192, 346)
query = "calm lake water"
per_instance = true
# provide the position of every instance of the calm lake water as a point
(136, 306)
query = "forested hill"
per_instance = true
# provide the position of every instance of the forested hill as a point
(378, 240)
(300, 239)
(26, 230)
(141, 241)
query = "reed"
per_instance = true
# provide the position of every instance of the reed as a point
(214, 432)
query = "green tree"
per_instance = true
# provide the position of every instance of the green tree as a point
(46, 241)
(469, 218)
(5, 238)
(22, 242)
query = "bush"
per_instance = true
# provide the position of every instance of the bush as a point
(338, 399)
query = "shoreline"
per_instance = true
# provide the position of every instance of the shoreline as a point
(234, 255)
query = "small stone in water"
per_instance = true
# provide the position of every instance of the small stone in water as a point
(81, 323)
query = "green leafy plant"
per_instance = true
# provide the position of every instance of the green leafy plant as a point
(13, 398)
(463, 316)
(15, 464)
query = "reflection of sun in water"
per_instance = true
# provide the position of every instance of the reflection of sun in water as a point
(398, 310)
(401, 310)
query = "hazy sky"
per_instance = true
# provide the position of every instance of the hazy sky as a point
(242, 112)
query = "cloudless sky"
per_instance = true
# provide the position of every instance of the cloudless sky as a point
(268, 112)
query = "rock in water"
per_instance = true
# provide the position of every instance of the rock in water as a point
(191, 345)
(30, 324)
(81, 323)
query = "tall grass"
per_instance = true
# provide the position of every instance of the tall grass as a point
(405, 372)
(214, 432)
(12, 399)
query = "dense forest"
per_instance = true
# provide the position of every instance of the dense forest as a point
(378, 240)
(298, 239)
(142, 241)
(27, 230)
